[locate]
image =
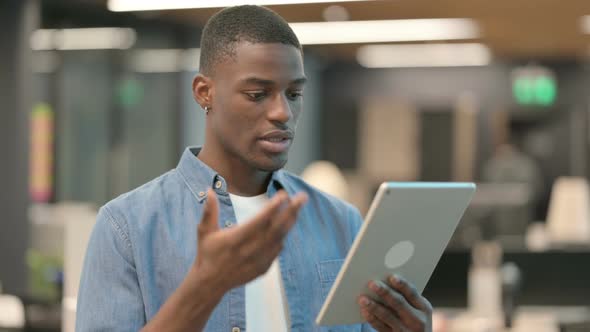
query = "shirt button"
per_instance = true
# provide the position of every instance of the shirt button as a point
(218, 184)
(235, 329)
(201, 193)
(229, 223)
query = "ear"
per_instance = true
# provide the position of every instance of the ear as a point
(203, 90)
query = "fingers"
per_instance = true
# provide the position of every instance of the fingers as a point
(273, 223)
(262, 220)
(398, 304)
(210, 216)
(375, 322)
(287, 217)
(258, 259)
(379, 316)
(257, 242)
(410, 293)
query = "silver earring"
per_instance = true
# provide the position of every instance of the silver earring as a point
(207, 109)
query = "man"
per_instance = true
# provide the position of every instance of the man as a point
(228, 241)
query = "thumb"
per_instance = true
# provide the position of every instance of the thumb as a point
(210, 216)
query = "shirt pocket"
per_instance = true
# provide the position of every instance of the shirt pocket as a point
(327, 272)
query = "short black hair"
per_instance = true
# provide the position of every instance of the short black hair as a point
(255, 24)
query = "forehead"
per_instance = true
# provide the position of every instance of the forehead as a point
(272, 61)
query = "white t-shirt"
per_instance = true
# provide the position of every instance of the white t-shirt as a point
(266, 303)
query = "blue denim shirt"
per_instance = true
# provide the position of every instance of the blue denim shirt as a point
(145, 241)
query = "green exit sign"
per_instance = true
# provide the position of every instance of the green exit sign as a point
(534, 86)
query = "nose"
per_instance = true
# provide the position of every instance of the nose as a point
(280, 110)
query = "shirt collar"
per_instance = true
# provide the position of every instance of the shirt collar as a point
(199, 177)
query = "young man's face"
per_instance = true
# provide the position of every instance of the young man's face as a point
(256, 102)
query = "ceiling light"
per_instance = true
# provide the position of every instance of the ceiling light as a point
(585, 24)
(310, 33)
(156, 60)
(136, 5)
(335, 13)
(82, 39)
(42, 40)
(190, 59)
(165, 60)
(424, 55)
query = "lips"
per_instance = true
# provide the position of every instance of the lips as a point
(276, 141)
(278, 134)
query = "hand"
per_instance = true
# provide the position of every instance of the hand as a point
(399, 308)
(232, 257)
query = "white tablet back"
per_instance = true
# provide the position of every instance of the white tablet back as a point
(405, 232)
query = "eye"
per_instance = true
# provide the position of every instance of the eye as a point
(255, 95)
(293, 95)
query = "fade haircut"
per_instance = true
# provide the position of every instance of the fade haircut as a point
(254, 24)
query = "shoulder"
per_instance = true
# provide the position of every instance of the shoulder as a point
(152, 195)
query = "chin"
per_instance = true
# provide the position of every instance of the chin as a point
(272, 164)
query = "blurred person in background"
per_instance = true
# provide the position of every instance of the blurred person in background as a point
(509, 164)
(228, 240)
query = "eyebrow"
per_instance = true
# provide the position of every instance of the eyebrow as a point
(261, 81)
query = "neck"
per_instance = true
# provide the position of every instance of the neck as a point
(241, 179)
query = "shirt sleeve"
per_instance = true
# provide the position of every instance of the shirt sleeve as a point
(109, 297)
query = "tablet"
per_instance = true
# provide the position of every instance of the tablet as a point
(406, 230)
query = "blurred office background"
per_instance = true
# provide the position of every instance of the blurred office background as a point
(96, 100)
